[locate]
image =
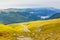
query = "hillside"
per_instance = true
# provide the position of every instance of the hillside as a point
(8, 16)
(40, 30)
(35, 30)
(55, 16)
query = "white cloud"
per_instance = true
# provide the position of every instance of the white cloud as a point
(44, 17)
(29, 3)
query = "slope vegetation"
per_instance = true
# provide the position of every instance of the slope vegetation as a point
(35, 30)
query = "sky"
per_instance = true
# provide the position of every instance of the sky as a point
(29, 3)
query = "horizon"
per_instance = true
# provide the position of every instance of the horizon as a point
(29, 7)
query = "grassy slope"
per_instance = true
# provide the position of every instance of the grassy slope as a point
(37, 30)
(51, 24)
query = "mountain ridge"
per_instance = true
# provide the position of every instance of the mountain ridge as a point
(29, 14)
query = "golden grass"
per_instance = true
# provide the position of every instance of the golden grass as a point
(35, 30)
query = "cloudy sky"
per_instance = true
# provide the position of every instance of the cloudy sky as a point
(29, 3)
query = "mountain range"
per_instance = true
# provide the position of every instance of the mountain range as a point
(14, 15)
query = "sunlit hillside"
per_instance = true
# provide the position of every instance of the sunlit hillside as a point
(35, 30)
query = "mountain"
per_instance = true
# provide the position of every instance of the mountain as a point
(57, 15)
(12, 15)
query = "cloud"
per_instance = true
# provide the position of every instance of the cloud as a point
(29, 3)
